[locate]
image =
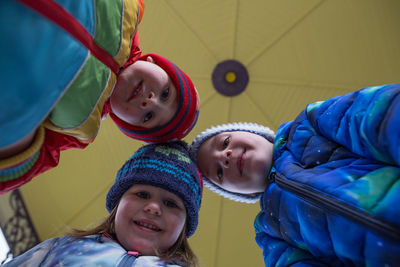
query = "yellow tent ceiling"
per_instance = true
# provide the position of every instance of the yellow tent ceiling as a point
(295, 52)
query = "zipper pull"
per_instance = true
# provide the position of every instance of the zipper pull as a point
(272, 176)
(133, 253)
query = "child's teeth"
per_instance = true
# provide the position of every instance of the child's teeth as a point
(148, 226)
(136, 91)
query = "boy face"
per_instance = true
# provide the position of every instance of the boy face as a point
(144, 95)
(236, 161)
(149, 218)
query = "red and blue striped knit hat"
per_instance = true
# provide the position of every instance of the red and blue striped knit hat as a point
(185, 117)
(167, 166)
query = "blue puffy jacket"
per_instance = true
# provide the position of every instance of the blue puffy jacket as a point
(335, 184)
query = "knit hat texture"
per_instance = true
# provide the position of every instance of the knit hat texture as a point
(186, 114)
(167, 166)
(264, 131)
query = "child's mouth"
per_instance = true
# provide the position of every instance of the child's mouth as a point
(136, 91)
(240, 162)
(147, 226)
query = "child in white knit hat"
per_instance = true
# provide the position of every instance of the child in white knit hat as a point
(328, 181)
(212, 151)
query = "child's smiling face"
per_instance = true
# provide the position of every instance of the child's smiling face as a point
(149, 218)
(144, 95)
(236, 161)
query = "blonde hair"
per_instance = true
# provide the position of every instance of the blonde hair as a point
(180, 251)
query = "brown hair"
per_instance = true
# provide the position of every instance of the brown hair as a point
(180, 251)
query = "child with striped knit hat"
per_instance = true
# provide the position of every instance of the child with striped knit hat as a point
(153, 208)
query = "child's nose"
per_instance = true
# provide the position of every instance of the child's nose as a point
(226, 157)
(153, 208)
(147, 100)
(151, 95)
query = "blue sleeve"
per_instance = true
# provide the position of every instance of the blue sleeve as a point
(367, 122)
(34, 256)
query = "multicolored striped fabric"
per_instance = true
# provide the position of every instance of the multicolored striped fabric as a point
(59, 63)
(20, 164)
(185, 117)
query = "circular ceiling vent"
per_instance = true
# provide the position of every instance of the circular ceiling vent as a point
(230, 77)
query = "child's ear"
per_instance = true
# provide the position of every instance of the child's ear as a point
(150, 59)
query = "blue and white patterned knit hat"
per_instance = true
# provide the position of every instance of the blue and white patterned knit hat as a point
(164, 165)
(264, 131)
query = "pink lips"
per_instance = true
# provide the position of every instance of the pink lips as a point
(137, 91)
(240, 162)
(147, 225)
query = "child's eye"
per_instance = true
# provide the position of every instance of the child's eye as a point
(170, 203)
(143, 194)
(219, 173)
(148, 117)
(165, 94)
(226, 142)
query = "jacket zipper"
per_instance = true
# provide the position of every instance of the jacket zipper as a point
(127, 260)
(337, 206)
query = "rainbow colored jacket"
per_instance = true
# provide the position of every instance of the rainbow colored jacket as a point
(59, 61)
(94, 250)
(335, 184)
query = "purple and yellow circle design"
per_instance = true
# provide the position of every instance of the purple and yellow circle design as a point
(230, 77)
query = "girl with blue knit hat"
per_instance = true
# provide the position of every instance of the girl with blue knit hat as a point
(81, 63)
(153, 204)
(328, 182)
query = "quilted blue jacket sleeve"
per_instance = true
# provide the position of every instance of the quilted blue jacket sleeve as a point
(364, 122)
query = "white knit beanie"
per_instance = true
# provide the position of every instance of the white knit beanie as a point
(264, 131)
